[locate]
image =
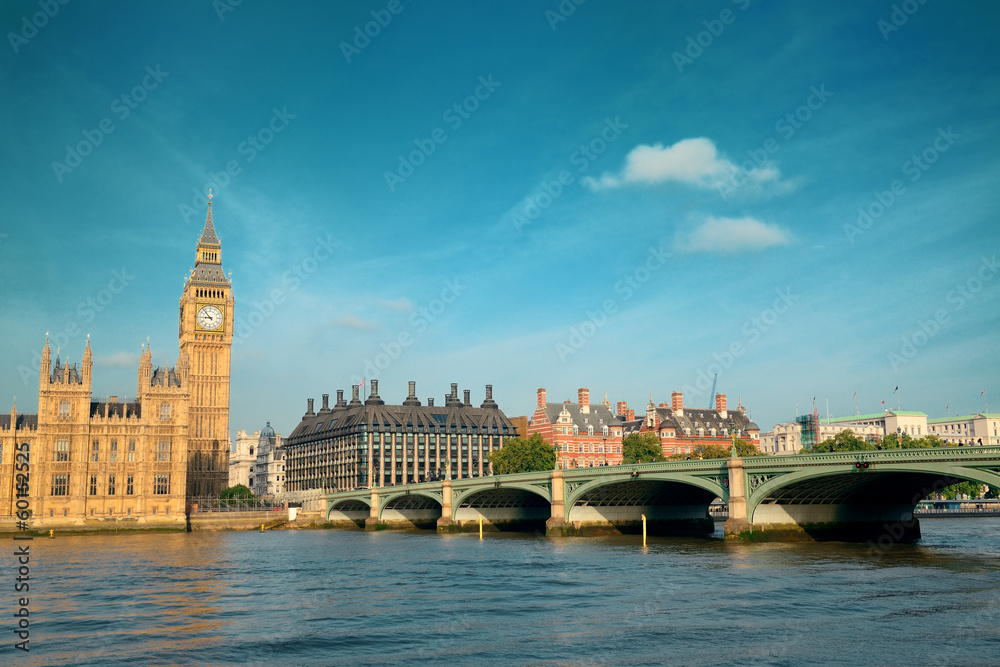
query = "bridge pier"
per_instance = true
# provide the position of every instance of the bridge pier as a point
(818, 523)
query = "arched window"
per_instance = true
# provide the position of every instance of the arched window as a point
(64, 409)
(164, 411)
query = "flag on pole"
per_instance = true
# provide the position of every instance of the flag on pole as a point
(896, 389)
(855, 395)
(883, 402)
(947, 406)
(982, 392)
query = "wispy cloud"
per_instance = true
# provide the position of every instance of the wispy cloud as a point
(733, 235)
(400, 305)
(355, 323)
(695, 162)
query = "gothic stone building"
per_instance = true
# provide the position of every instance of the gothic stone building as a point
(98, 459)
(360, 444)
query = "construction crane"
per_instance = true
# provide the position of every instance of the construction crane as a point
(711, 397)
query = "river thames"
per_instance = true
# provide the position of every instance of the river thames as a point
(331, 598)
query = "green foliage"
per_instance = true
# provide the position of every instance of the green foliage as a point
(992, 492)
(238, 491)
(743, 448)
(845, 441)
(643, 447)
(523, 455)
(967, 489)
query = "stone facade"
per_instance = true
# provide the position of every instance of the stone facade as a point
(269, 465)
(117, 459)
(242, 458)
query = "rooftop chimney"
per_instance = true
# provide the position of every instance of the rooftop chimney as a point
(489, 402)
(355, 399)
(630, 414)
(340, 399)
(373, 397)
(430, 402)
(468, 398)
(621, 407)
(677, 400)
(452, 400)
(583, 399)
(326, 403)
(412, 399)
(720, 405)
(541, 397)
(309, 407)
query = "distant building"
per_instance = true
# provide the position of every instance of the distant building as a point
(584, 435)
(243, 458)
(891, 421)
(269, 467)
(975, 429)
(682, 429)
(788, 438)
(361, 444)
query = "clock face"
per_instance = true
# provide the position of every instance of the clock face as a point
(210, 318)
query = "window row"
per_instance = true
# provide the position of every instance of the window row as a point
(60, 485)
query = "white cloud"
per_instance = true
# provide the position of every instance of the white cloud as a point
(354, 322)
(118, 360)
(400, 305)
(694, 162)
(732, 235)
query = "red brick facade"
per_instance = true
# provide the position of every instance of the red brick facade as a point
(584, 435)
(682, 429)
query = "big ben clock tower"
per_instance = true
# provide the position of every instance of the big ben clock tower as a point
(206, 339)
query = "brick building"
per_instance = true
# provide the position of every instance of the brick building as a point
(584, 435)
(681, 429)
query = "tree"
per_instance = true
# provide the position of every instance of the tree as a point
(523, 455)
(845, 441)
(992, 492)
(743, 448)
(238, 491)
(967, 489)
(643, 447)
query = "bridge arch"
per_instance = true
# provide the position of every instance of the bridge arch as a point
(516, 506)
(892, 486)
(410, 502)
(854, 498)
(348, 511)
(710, 486)
(672, 503)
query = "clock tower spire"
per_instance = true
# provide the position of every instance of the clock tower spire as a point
(206, 339)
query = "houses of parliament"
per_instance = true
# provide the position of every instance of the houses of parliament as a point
(92, 460)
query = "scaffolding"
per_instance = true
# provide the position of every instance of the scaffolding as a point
(809, 429)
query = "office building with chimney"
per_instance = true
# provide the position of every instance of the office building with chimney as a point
(681, 429)
(360, 444)
(584, 435)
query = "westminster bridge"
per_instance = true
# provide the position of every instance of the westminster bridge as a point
(844, 495)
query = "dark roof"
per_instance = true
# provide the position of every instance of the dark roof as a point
(165, 376)
(23, 421)
(598, 416)
(208, 235)
(68, 374)
(375, 415)
(694, 418)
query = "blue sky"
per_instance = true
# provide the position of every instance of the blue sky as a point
(628, 196)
